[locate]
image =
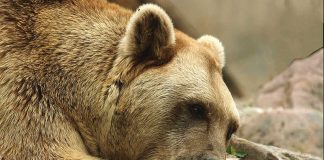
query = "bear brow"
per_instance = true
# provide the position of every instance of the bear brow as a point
(212, 64)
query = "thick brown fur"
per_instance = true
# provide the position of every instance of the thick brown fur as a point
(86, 79)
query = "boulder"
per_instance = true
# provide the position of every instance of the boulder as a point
(299, 86)
(256, 151)
(298, 129)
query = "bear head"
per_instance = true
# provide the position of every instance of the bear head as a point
(170, 100)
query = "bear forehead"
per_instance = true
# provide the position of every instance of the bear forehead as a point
(194, 52)
(193, 69)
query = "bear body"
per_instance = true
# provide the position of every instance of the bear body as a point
(88, 80)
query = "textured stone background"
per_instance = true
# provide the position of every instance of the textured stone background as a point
(288, 111)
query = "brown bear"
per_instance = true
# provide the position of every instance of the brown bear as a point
(84, 79)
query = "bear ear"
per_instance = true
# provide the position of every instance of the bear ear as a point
(148, 32)
(214, 44)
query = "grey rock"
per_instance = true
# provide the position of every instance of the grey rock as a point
(299, 86)
(262, 152)
(295, 129)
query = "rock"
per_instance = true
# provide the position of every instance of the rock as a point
(290, 109)
(262, 152)
(299, 86)
(298, 129)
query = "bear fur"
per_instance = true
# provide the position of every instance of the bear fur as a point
(86, 79)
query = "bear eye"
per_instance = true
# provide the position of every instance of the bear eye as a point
(198, 111)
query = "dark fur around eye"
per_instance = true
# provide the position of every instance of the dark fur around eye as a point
(197, 111)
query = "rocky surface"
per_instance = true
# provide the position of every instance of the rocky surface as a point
(299, 86)
(298, 129)
(256, 151)
(289, 112)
